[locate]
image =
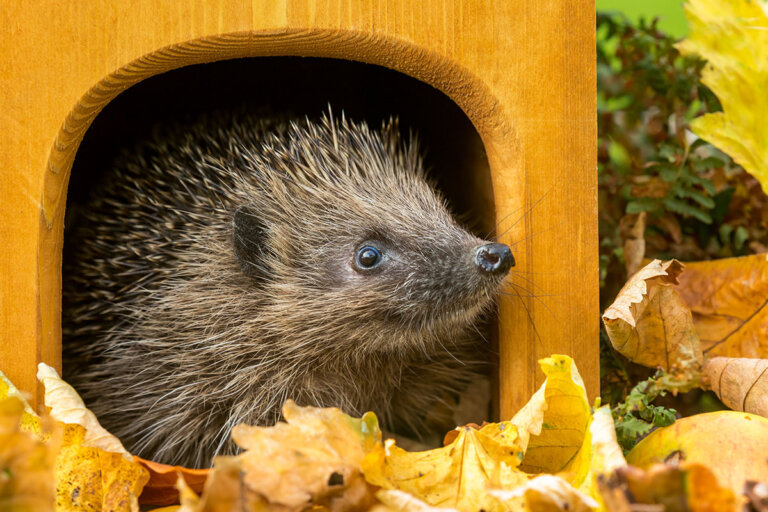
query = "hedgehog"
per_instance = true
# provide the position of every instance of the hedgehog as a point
(240, 260)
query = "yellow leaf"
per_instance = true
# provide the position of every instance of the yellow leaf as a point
(606, 455)
(732, 35)
(563, 444)
(30, 422)
(314, 456)
(67, 407)
(741, 383)
(89, 475)
(648, 322)
(548, 493)
(733, 445)
(454, 476)
(552, 429)
(606, 452)
(729, 302)
(26, 461)
(399, 501)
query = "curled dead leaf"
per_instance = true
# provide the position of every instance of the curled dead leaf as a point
(162, 487)
(560, 441)
(741, 383)
(67, 407)
(649, 323)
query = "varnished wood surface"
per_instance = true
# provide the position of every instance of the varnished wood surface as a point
(523, 71)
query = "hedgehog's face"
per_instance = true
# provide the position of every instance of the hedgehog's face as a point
(436, 283)
(408, 273)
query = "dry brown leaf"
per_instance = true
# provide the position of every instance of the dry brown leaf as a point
(649, 323)
(632, 231)
(741, 383)
(162, 488)
(225, 491)
(315, 456)
(729, 302)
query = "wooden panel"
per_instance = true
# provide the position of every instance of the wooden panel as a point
(523, 71)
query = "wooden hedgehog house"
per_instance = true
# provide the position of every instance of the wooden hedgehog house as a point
(522, 73)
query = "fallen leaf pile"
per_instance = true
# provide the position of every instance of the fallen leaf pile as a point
(556, 454)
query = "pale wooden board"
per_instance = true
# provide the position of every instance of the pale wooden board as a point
(523, 71)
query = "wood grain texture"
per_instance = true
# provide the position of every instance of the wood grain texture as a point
(523, 72)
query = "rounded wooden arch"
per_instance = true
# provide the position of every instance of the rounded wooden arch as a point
(468, 92)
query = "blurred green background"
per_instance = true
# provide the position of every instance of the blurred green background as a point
(670, 13)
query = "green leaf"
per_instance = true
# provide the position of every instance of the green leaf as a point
(686, 209)
(663, 417)
(642, 204)
(740, 237)
(705, 201)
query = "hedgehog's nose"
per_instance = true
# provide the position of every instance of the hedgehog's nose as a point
(494, 258)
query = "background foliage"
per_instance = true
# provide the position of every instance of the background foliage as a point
(698, 203)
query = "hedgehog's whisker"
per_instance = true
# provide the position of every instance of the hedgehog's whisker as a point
(529, 210)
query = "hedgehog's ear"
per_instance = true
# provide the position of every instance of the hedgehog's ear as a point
(248, 233)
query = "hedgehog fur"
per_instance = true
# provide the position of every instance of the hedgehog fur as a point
(212, 275)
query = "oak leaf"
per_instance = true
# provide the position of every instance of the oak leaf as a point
(314, 456)
(456, 475)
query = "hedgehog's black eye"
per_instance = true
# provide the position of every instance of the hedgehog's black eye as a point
(368, 257)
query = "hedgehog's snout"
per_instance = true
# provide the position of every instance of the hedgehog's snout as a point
(494, 259)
